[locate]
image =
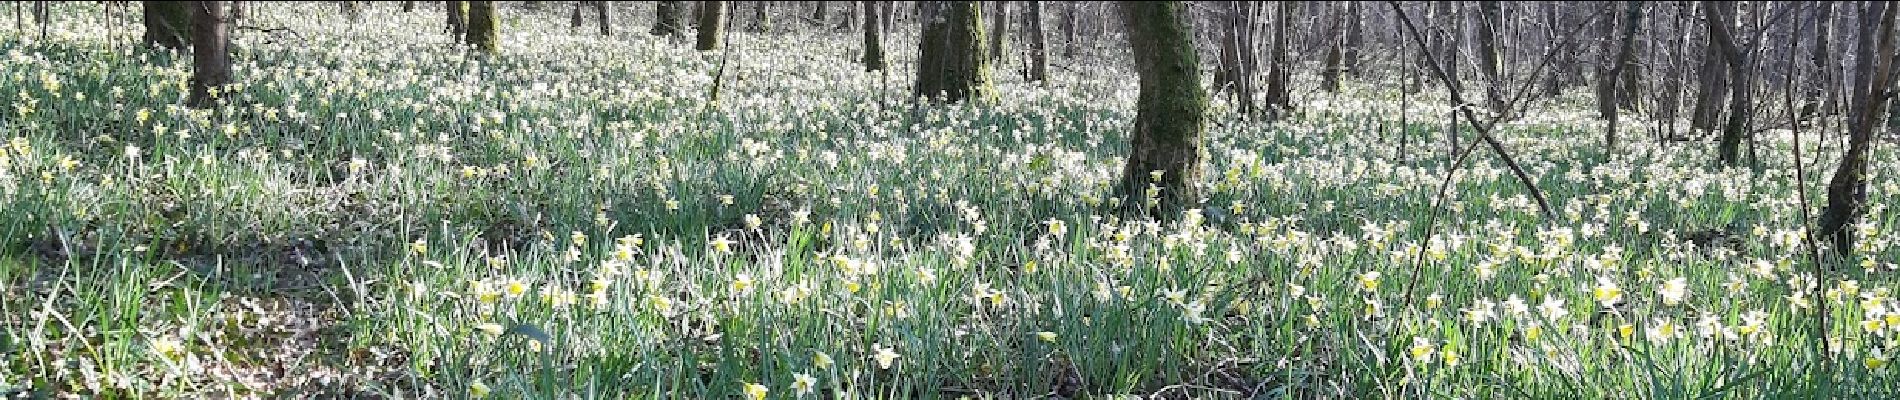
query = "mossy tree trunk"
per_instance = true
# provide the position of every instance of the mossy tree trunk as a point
(711, 24)
(952, 60)
(666, 18)
(1038, 44)
(873, 43)
(1872, 91)
(210, 60)
(482, 23)
(167, 24)
(1163, 168)
(457, 18)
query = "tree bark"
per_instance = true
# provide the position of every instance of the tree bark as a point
(168, 24)
(482, 23)
(1490, 17)
(1237, 60)
(1628, 70)
(1279, 98)
(1847, 190)
(873, 43)
(211, 63)
(458, 19)
(952, 60)
(1163, 168)
(1038, 44)
(574, 18)
(1713, 84)
(818, 13)
(666, 18)
(1069, 23)
(1625, 59)
(1720, 16)
(1823, 58)
(711, 24)
(1335, 55)
(605, 14)
(1355, 37)
(999, 33)
(761, 19)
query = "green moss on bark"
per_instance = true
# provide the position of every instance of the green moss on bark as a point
(1170, 112)
(712, 24)
(482, 25)
(953, 61)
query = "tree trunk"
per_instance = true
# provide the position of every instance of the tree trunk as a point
(1069, 10)
(210, 63)
(482, 23)
(999, 33)
(1279, 97)
(1720, 15)
(352, 10)
(873, 44)
(408, 6)
(1237, 60)
(1335, 55)
(886, 10)
(574, 18)
(666, 18)
(1847, 190)
(235, 15)
(1355, 38)
(1628, 70)
(1490, 17)
(1553, 81)
(761, 19)
(952, 60)
(1713, 84)
(711, 24)
(1606, 67)
(818, 14)
(1038, 44)
(1163, 168)
(458, 19)
(605, 14)
(168, 24)
(1626, 60)
(1823, 58)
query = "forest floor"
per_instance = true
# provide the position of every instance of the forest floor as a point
(377, 213)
